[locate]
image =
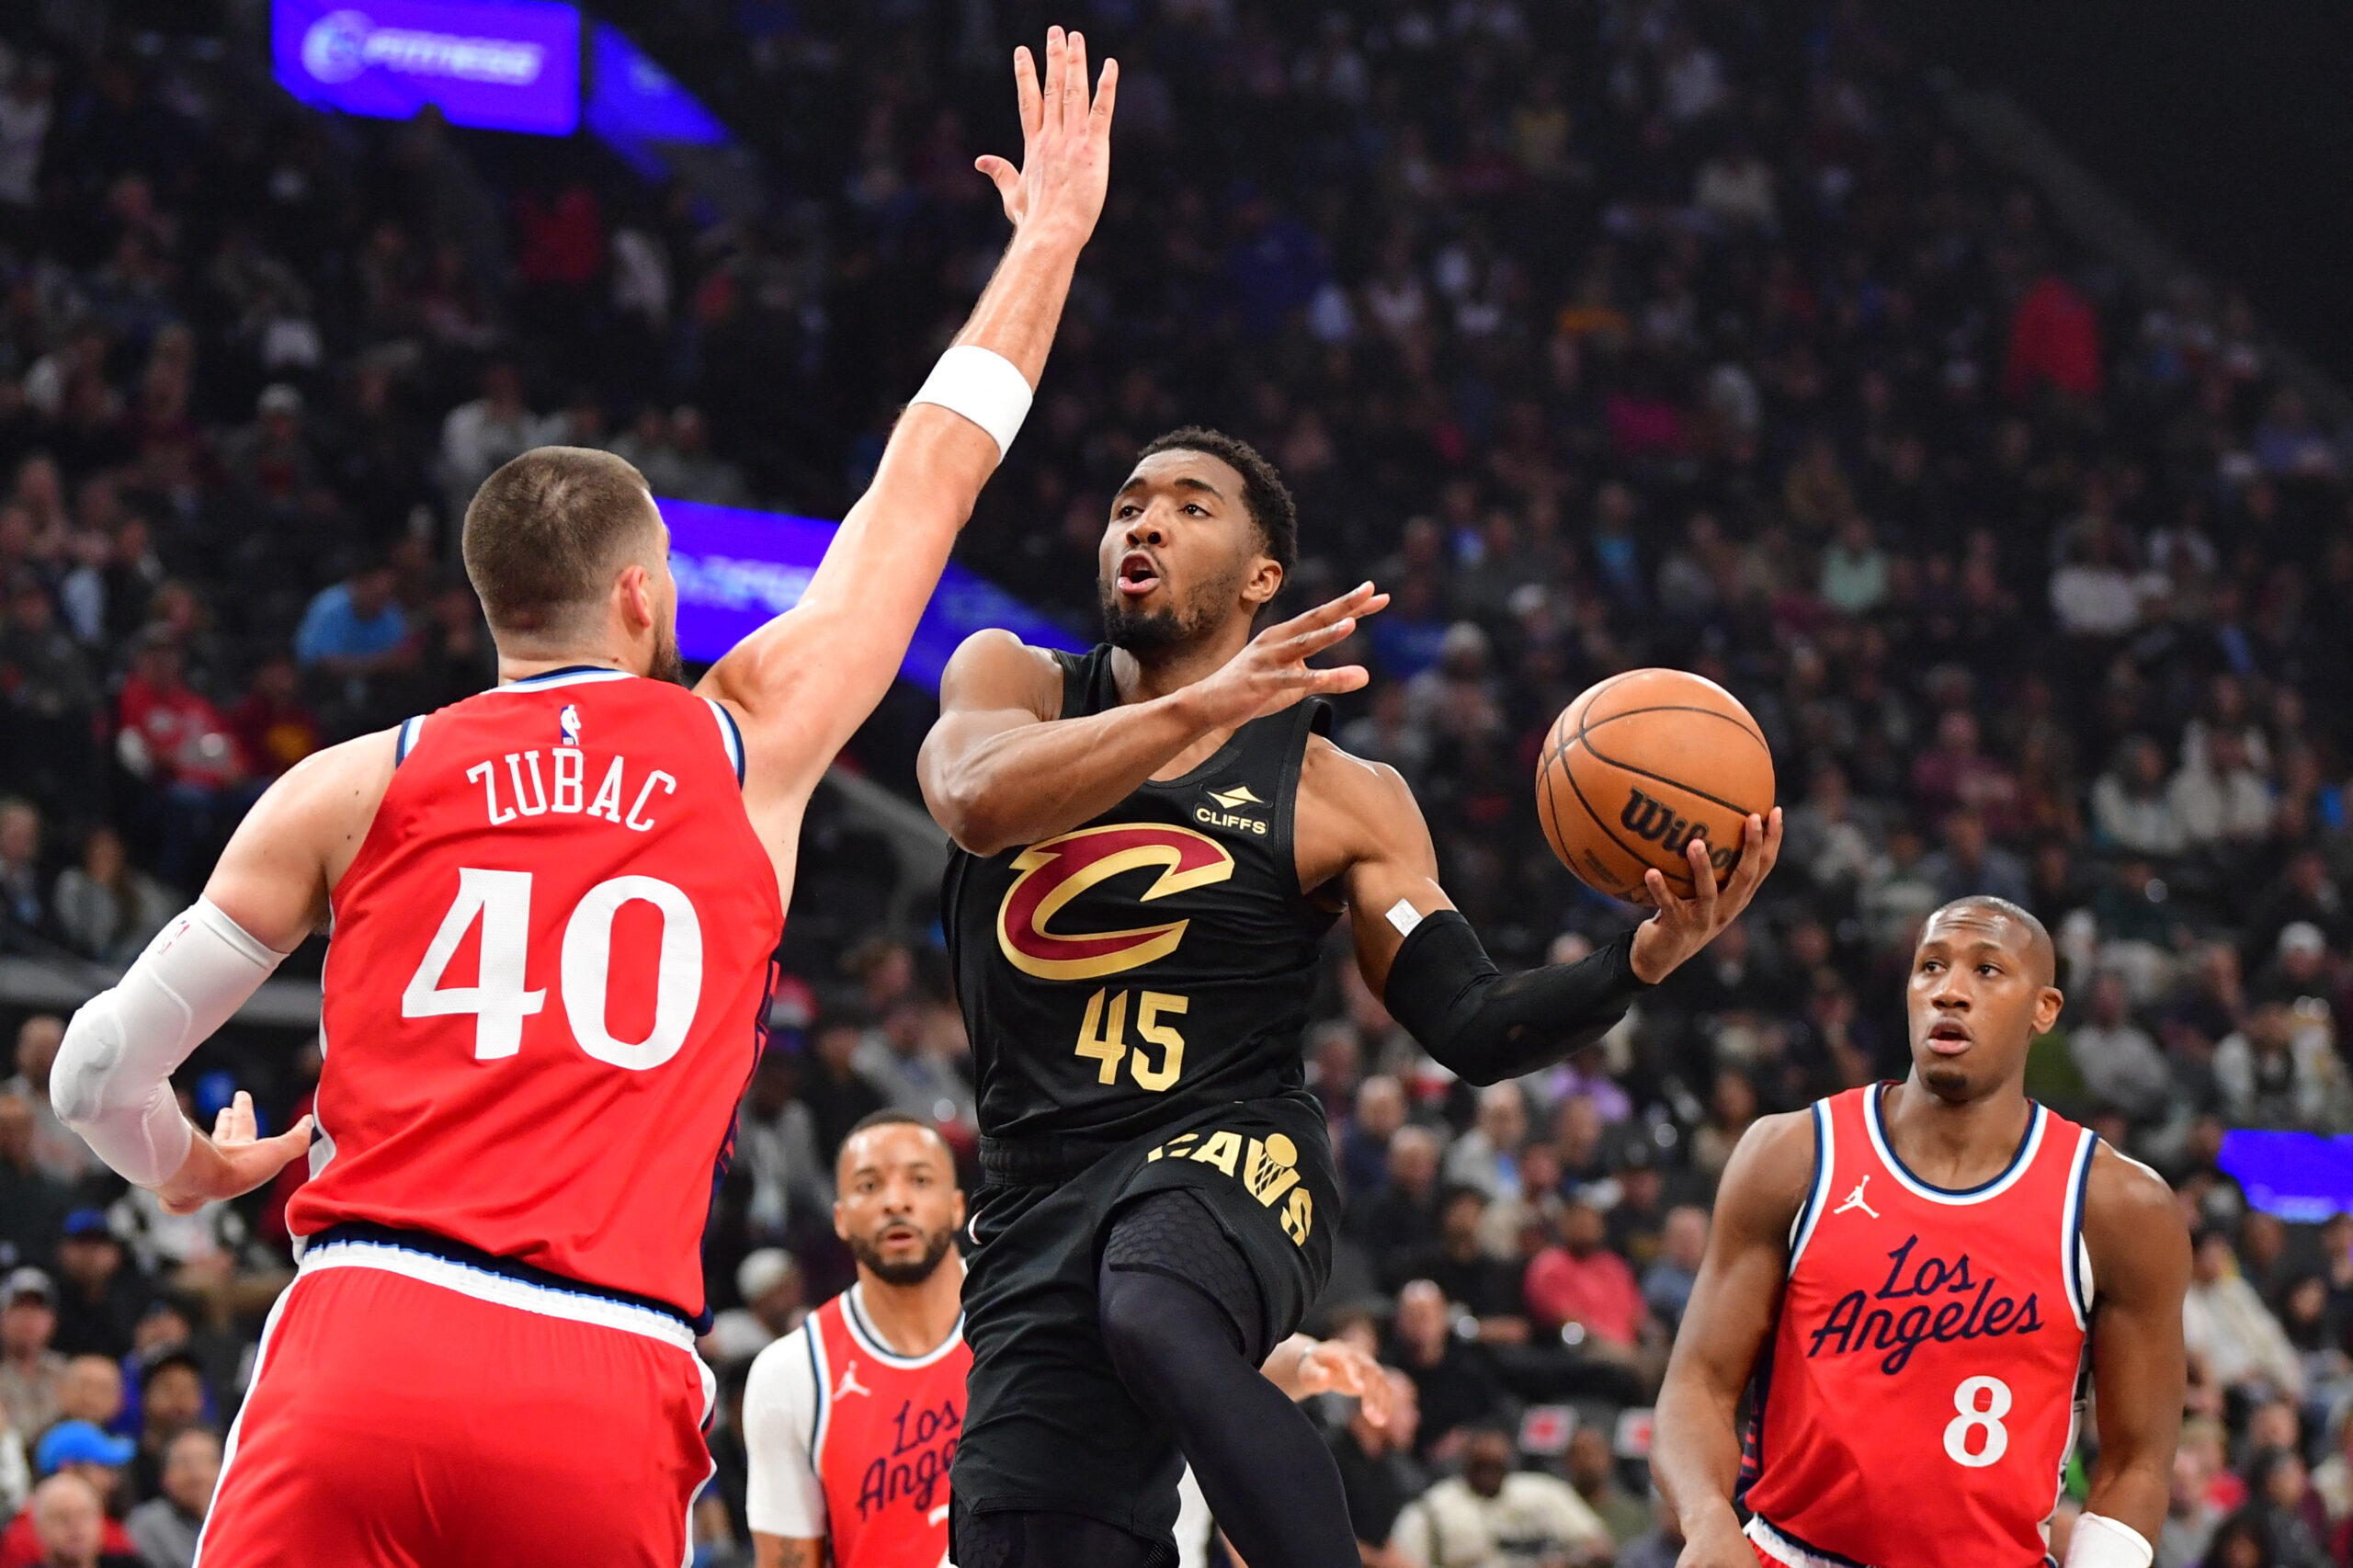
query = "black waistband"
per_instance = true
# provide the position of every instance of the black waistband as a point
(1041, 1162)
(449, 1251)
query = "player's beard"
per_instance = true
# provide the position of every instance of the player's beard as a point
(1145, 632)
(905, 1271)
(667, 666)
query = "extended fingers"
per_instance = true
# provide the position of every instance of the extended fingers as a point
(1362, 599)
(1341, 677)
(1027, 94)
(1050, 117)
(1106, 96)
(1074, 98)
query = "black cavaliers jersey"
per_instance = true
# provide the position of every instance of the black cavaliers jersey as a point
(1158, 961)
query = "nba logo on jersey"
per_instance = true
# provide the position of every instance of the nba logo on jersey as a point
(567, 724)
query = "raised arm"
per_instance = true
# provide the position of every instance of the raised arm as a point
(1002, 767)
(1423, 959)
(802, 684)
(2140, 1251)
(1695, 1447)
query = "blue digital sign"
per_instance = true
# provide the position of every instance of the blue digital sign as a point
(638, 107)
(738, 568)
(494, 64)
(2300, 1176)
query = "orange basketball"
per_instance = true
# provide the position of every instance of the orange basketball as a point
(1640, 766)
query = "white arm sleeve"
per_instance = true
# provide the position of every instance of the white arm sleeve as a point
(112, 1080)
(783, 1496)
(2102, 1543)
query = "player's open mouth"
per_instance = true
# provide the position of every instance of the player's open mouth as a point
(901, 1235)
(1948, 1037)
(1138, 575)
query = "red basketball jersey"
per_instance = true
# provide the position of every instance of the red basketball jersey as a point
(1919, 1397)
(886, 1431)
(547, 982)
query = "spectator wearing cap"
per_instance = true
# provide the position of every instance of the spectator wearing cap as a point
(92, 1462)
(171, 1399)
(100, 1298)
(1637, 1193)
(2299, 968)
(1493, 1515)
(33, 1204)
(775, 1300)
(32, 1372)
(165, 1527)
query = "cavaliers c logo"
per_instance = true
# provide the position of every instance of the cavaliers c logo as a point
(1059, 869)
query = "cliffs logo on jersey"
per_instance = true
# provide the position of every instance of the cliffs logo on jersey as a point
(1934, 1300)
(1053, 873)
(1233, 800)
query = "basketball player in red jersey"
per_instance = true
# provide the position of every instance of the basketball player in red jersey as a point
(553, 906)
(1911, 1280)
(851, 1420)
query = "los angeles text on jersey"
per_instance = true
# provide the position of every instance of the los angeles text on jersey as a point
(1939, 1302)
(915, 1470)
(515, 788)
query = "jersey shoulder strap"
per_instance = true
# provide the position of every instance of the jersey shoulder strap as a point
(1089, 687)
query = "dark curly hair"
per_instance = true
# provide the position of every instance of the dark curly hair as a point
(1264, 495)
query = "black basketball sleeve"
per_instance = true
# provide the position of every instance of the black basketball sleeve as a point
(1488, 1026)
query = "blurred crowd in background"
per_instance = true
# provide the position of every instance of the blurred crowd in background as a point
(1601, 333)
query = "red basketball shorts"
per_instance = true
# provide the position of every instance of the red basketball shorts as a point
(411, 1412)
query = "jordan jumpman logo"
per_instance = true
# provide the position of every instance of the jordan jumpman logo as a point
(1855, 1201)
(849, 1383)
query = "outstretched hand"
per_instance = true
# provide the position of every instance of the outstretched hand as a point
(1335, 1366)
(1272, 671)
(1683, 925)
(1065, 143)
(240, 1160)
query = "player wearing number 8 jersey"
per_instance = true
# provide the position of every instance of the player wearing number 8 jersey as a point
(552, 910)
(1912, 1281)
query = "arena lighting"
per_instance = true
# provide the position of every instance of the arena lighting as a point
(493, 64)
(639, 109)
(736, 567)
(2303, 1177)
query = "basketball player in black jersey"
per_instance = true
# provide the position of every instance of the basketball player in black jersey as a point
(1152, 840)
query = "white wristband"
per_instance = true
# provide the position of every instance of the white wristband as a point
(983, 387)
(2103, 1542)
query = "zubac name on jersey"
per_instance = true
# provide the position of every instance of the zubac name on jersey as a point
(1924, 1333)
(546, 986)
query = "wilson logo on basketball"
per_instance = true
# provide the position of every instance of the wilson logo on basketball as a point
(1646, 818)
(1054, 872)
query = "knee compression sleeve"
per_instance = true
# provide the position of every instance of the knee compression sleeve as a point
(1172, 1233)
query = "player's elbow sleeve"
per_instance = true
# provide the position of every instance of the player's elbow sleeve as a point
(1486, 1026)
(111, 1082)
